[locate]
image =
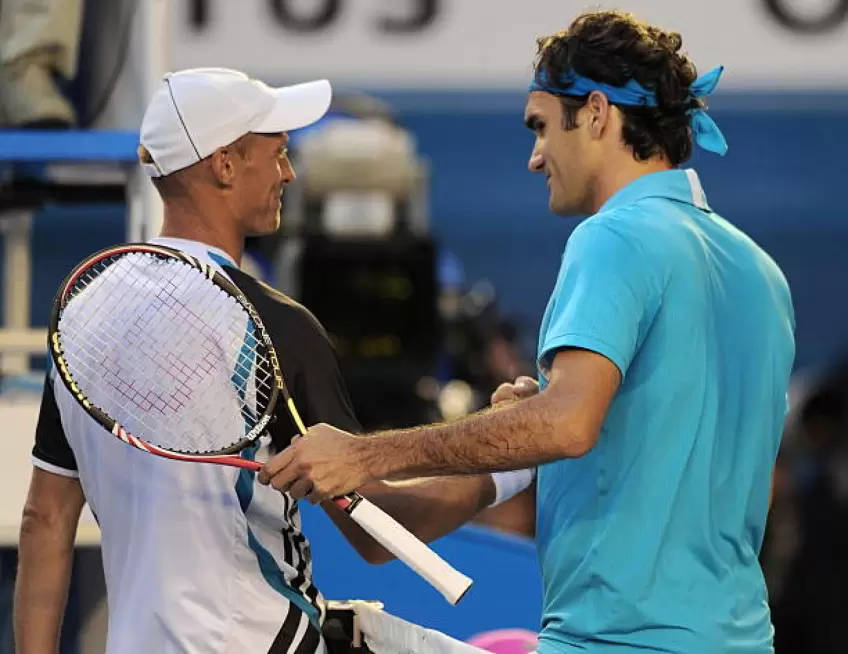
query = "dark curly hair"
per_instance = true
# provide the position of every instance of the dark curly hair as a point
(613, 47)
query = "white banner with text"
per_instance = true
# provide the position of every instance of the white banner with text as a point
(489, 44)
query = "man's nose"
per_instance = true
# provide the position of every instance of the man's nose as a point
(536, 162)
(288, 173)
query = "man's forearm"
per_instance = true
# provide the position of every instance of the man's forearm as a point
(563, 421)
(434, 506)
(519, 435)
(44, 568)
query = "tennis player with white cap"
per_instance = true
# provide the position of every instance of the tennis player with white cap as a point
(194, 112)
(197, 558)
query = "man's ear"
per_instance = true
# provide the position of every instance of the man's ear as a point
(223, 168)
(598, 113)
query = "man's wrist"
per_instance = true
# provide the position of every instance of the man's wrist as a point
(510, 483)
(373, 456)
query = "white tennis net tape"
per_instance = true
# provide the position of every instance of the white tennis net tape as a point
(385, 633)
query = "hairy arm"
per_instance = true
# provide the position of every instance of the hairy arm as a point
(48, 529)
(563, 421)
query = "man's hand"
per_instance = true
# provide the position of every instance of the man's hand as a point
(326, 463)
(521, 388)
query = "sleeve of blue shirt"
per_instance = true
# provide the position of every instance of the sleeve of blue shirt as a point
(606, 296)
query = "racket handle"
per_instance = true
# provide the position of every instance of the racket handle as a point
(405, 546)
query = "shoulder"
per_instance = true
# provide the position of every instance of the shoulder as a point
(760, 262)
(278, 310)
(619, 247)
(623, 231)
(654, 232)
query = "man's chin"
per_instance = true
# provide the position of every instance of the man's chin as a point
(562, 209)
(270, 227)
(556, 207)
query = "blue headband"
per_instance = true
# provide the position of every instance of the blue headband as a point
(705, 131)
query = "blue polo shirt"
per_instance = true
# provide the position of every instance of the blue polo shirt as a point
(649, 542)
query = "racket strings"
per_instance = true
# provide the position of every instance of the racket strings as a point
(250, 341)
(134, 405)
(154, 341)
(100, 365)
(171, 365)
(249, 414)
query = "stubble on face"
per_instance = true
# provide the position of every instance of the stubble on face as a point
(559, 152)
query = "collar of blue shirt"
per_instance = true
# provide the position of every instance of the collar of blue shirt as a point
(680, 185)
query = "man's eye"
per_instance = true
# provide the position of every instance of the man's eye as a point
(284, 153)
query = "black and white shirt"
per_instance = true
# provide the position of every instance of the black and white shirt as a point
(197, 557)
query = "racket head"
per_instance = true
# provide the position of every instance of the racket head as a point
(165, 352)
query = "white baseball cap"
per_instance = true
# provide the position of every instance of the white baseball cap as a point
(196, 111)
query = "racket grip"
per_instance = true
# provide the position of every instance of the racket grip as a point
(405, 546)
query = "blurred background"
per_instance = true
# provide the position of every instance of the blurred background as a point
(417, 236)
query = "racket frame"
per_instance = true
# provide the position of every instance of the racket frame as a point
(226, 456)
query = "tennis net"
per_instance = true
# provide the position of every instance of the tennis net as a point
(373, 631)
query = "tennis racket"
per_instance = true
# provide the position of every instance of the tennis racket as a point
(169, 356)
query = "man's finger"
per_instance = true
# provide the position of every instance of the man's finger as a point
(301, 488)
(503, 393)
(315, 496)
(275, 464)
(525, 386)
(284, 480)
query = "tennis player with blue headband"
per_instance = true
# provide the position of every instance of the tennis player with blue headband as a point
(663, 362)
(705, 131)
